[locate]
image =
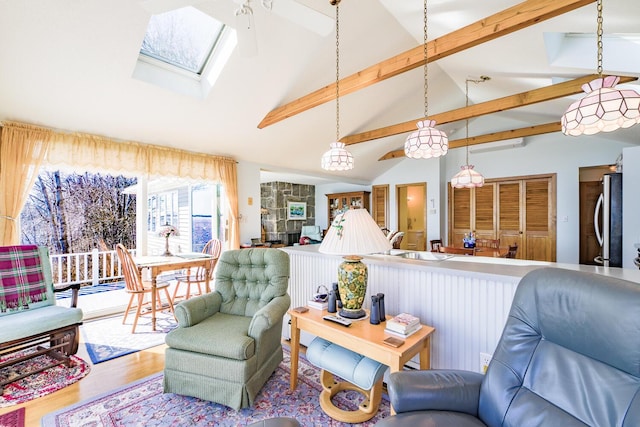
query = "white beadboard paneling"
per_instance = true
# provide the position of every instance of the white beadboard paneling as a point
(467, 310)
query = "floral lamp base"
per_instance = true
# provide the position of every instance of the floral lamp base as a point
(352, 285)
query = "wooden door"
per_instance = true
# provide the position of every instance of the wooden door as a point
(460, 215)
(484, 213)
(510, 215)
(380, 205)
(539, 222)
(589, 246)
(412, 214)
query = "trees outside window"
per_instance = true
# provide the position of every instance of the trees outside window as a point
(72, 213)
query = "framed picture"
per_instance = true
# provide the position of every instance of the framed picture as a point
(296, 210)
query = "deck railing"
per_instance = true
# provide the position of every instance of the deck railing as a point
(90, 268)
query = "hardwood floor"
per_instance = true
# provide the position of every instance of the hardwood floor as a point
(103, 377)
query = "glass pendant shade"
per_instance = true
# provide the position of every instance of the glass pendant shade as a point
(337, 158)
(467, 178)
(603, 109)
(426, 142)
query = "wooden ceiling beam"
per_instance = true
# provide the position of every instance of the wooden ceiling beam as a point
(490, 137)
(559, 90)
(507, 21)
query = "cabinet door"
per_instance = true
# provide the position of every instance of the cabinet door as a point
(380, 205)
(510, 215)
(539, 223)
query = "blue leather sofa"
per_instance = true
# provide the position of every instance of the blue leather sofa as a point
(569, 356)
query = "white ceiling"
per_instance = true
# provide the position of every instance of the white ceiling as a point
(68, 65)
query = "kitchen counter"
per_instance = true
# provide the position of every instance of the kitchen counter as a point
(466, 298)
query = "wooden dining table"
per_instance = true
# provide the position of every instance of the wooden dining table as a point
(500, 252)
(157, 265)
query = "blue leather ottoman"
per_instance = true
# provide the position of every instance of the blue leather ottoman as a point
(359, 372)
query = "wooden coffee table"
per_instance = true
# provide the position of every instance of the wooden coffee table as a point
(361, 337)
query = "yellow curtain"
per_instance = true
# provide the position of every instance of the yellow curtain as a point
(22, 150)
(97, 153)
(229, 178)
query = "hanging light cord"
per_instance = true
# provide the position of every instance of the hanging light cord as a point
(599, 38)
(426, 80)
(337, 71)
(466, 84)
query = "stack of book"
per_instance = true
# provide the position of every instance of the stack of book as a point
(403, 325)
(318, 305)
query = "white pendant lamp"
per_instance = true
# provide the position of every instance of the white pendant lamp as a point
(427, 141)
(604, 108)
(468, 177)
(337, 158)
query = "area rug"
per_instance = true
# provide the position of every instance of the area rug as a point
(42, 383)
(143, 404)
(14, 418)
(108, 338)
(93, 289)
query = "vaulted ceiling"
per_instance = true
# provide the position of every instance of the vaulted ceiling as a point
(69, 65)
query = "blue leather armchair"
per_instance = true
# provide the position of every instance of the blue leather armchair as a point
(569, 356)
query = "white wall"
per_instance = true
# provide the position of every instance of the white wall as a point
(630, 205)
(249, 187)
(553, 153)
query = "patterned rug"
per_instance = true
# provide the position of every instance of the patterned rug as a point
(143, 404)
(14, 418)
(90, 290)
(42, 383)
(108, 338)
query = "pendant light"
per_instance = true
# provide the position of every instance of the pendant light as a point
(427, 141)
(604, 108)
(337, 158)
(467, 177)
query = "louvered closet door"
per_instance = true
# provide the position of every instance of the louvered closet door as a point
(460, 215)
(485, 223)
(539, 223)
(510, 229)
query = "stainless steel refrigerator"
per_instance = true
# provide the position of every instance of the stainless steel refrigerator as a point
(607, 220)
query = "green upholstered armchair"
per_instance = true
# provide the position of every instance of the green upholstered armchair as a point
(228, 342)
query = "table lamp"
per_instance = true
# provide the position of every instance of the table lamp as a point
(353, 233)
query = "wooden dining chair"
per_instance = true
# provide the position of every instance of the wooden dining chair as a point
(513, 251)
(457, 251)
(137, 288)
(488, 243)
(199, 276)
(435, 245)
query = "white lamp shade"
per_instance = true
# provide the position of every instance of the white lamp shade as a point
(467, 178)
(603, 109)
(354, 232)
(337, 158)
(426, 142)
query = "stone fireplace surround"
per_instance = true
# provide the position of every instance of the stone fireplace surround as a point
(274, 196)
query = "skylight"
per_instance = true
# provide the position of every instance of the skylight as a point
(183, 37)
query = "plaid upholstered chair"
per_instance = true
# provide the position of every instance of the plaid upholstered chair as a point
(227, 343)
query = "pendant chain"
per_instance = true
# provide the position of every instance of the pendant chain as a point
(337, 72)
(599, 37)
(426, 80)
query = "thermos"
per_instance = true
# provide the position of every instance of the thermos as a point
(374, 317)
(333, 299)
(381, 311)
(334, 285)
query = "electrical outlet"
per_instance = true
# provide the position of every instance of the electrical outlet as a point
(484, 362)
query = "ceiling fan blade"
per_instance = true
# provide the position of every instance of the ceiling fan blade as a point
(304, 16)
(246, 33)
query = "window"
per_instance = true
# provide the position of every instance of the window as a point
(163, 209)
(184, 38)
